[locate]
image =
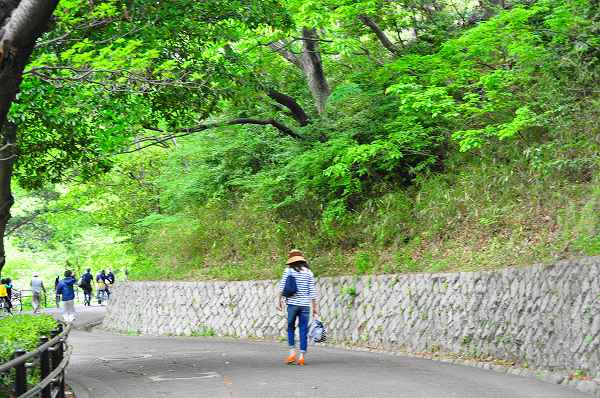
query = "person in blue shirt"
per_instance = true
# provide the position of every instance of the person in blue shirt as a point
(86, 285)
(65, 289)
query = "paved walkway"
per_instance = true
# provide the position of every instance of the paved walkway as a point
(108, 365)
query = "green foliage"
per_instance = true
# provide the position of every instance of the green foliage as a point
(24, 263)
(62, 232)
(497, 81)
(472, 145)
(205, 331)
(349, 291)
(21, 332)
(107, 71)
(363, 262)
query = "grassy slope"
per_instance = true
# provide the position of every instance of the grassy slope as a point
(476, 216)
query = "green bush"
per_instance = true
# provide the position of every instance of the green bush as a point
(363, 262)
(21, 332)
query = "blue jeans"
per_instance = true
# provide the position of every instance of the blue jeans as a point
(303, 315)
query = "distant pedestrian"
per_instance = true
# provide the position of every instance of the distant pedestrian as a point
(57, 296)
(298, 287)
(9, 289)
(85, 283)
(65, 289)
(110, 277)
(102, 286)
(37, 287)
(4, 297)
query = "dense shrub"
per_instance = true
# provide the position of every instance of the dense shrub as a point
(21, 332)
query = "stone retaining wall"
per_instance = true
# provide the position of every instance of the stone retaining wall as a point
(545, 316)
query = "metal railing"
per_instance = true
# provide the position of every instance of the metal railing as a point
(26, 295)
(51, 357)
(20, 297)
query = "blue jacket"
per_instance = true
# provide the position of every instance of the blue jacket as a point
(65, 288)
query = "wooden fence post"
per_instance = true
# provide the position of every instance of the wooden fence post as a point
(45, 368)
(20, 375)
(54, 360)
(60, 354)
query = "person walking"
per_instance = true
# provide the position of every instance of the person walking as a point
(101, 286)
(37, 287)
(66, 290)
(85, 284)
(110, 280)
(110, 277)
(57, 296)
(4, 296)
(298, 304)
(9, 295)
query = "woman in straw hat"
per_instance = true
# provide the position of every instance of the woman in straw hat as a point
(298, 305)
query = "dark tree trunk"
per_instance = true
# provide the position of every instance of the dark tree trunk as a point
(21, 23)
(7, 158)
(311, 65)
(381, 36)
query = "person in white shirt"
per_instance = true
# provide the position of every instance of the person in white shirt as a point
(37, 287)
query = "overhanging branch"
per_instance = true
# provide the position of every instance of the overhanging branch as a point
(381, 36)
(60, 75)
(290, 103)
(281, 47)
(152, 141)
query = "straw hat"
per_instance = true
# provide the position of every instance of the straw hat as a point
(294, 256)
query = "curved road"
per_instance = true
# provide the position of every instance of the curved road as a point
(108, 365)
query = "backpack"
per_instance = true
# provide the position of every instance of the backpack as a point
(84, 282)
(318, 332)
(290, 288)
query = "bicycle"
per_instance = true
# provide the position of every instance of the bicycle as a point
(4, 309)
(17, 300)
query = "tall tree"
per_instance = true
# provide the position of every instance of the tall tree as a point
(22, 23)
(311, 64)
(106, 70)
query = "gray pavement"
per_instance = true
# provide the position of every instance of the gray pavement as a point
(108, 365)
(86, 316)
